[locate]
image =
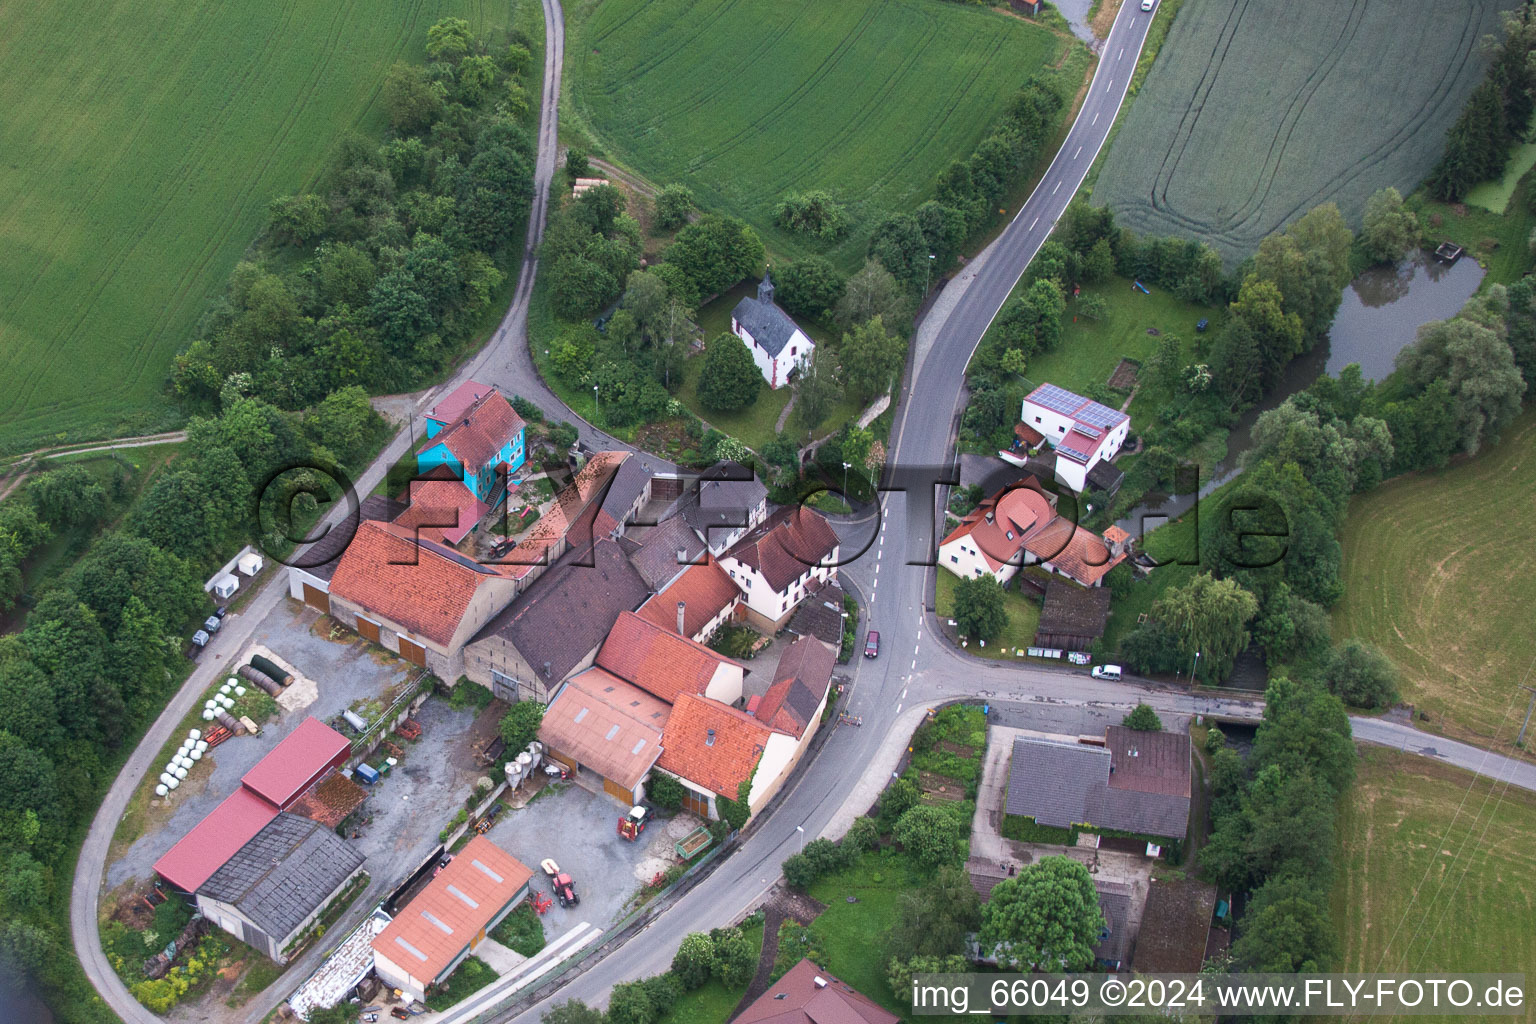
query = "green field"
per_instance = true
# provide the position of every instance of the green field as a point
(1232, 136)
(745, 101)
(1437, 872)
(142, 143)
(1436, 575)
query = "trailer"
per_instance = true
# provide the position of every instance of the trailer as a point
(692, 844)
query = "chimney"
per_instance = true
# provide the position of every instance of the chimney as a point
(820, 981)
(546, 670)
(680, 606)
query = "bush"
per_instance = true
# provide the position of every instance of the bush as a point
(664, 989)
(863, 835)
(665, 792)
(899, 797)
(521, 931)
(735, 959)
(730, 380)
(930, 835)
(820, 858)
(673, 205)
(1143, 719)
(527, 410)
(1361, 675)
(520, 725)
(694, 960)
(631, 1003)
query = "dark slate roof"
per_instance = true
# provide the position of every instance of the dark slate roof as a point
(1115, 904)
(568, 611)
(627, 484)
(821, 615)
(723, 499)
(1104, 477)
(327, 551)
(1073, 610)
(1065, 784)
(669, 548)
(1175, 925)
(284, 874)
(769, 325)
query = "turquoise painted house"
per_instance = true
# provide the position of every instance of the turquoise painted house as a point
(477, 432)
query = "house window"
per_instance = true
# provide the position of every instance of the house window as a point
(747, 582)
(1037, 419)
(955, 559)
(793, 349)
(784, 605)
(1061, 430)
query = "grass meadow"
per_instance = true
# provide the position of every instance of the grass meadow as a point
(1438, 574)
(142, 143)
(1437, 871)
(745, 101)
(1233, 136)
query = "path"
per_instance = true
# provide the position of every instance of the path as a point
(29, 460)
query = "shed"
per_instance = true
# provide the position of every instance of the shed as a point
(249, 564)
(298, 762)
(225, 585)
(1073, 616)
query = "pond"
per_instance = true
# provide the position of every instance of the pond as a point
(1379, 315)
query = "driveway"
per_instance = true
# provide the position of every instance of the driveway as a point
(577, 828)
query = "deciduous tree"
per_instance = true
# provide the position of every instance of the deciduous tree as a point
(979, 612)
(1046, 917)
(730, 380)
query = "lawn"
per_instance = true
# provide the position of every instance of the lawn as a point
(851, 934)
(1019, 630)
(1437, 871)
(744, 102)
(1232, 137)
(1494, 196)
(142, 145)
(468, 978)
(1499, 242)
(1436, 575)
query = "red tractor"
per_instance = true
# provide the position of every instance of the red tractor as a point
(633, 823)
(560, 883)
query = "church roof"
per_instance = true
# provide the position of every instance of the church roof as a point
(761, 317)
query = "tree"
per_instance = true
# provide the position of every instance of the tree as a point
(630, 1003)
(899, 797)
(580, 287)
(1164, 366)
(1476, 146)
(808, 287)
(1289, 929)
(899, 973)
(943, 229)
(520, 725)
(1099, 263)
(67, 496)
(1479, 370)
(898, 245)
(935, 919)
(715, 252)
(1305, 730)
(298, 219)
(1208, 617)
(1309, 263)
(694, 961)
(449, 39)
(735, 959)
(1389, 231)
(871, 359)
(1143, 718)
(344, 422)
(412, 99)
(870, 293)
(930, 834)
(979, 611)
(674, 205)
(1273, 335)
(730, 380)
(813, 213)
(1046, 917)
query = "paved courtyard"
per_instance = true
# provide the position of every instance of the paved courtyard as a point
(576, 828)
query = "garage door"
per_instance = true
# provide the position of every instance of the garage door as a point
(617, 791)
(367, 630)
(697, 803)
(317, 598)
(413, 652)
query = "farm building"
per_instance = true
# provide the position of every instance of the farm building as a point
(777, 343)
(781, 561)
(696, 603)
(1083, 432)
(273, 784)
(607, 729)
(721, 505)
(627, 491)
(821, 615)
(309, 575)
(433, 933)
(1136, 782)
(442, 508)
(810, 995)
(666, 550)
(1073, 617)
(274, 886)
(555, 627)
(477, 434)
(1018, 526)
(666, 665)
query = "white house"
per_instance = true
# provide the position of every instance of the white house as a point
(777, 564)
(1083, 432)
(777, 344)
(1018, 526)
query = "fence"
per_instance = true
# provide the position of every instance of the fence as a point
(475, 814)
(412, 697)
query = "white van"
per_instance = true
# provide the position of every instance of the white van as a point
(1106, 672)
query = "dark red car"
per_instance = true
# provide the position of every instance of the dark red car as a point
(872, 645)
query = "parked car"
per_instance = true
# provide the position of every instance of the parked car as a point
(200, 639)
(872, 645)
(220, 611)
(1111, 672)
(211, 624)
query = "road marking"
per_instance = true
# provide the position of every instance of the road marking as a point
(1120, 54)
(1078, 153)
(1110, 86)
(898, 709)
(914, 665)
(903, 694)
(1032, 225)
(1057, 188)
(877, 565)
(1095, 119)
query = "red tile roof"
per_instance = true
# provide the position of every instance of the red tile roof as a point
(1002, 524)
(705, 590)
(786, 544)
(1073, 551)
(1027, 434)
(609, 725)
(295, 763)
(215, 839)
(657, 660)
(444, 510)
(420, 584)
(576, 516)
(455, 405)
(797, 999)
(711, 744)
(803, 676)
(477, 437)
(430, 931)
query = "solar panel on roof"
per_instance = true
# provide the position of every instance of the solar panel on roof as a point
(1086, 430)
(1056, 399)
(1072, 453)
(1099, 415)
